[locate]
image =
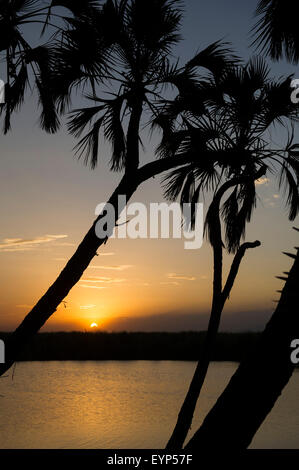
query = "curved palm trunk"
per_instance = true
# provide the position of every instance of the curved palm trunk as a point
(220, 296)
(76, 266)
(69, 276)
(258, 381)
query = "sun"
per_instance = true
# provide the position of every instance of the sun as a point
(93, 325)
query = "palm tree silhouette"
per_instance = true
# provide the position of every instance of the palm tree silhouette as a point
(229, 149)
(277, 29)
(258, 381)
(123, 47)
(26, 64)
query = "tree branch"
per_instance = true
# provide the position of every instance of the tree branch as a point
(159, 166)
(235, 268)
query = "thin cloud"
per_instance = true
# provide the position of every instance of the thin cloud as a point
(269, 203)
(16, 249)
(24, 244)
(106, 254)
(169, 283)
(102, 279)
(93, 287)
(181, 277)
(87, 307)
(121, 267)
(261, 181)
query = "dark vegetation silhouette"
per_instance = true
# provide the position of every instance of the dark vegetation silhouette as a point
(184, 346)
(25, 66)
(244, 105)
(276, 32)
(259, 380)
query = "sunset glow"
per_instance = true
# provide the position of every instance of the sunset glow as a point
(132, 283)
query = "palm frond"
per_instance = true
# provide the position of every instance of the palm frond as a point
(114, 133)
(229, 212)
(292, 188)
(278, 104)
(82, 57)
(236, 212)
(170, 143)
(77, 8)
(174, 182)
(216, 58)
(154, 24)
(14, 95)
(43, 58)
(276, 31)
(88, 146)
(49, 120)
(257, 72)
(80, 118)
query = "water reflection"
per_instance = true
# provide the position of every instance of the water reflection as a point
(119, 404)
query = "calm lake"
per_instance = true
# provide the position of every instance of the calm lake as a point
(116, 404)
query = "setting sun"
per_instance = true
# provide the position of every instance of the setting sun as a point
(94, 325)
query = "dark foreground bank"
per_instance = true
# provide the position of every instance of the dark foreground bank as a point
(183, 346)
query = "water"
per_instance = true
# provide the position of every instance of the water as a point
(118, 404)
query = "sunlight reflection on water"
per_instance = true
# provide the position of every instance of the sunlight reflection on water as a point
(119, 404)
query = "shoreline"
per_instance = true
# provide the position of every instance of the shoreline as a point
(134, 346)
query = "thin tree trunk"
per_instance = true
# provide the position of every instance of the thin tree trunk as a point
(258, 381)
(186, 413)
(76, 266)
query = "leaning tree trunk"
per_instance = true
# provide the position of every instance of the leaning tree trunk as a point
(76, 266)
(258, 381)
(69, 276)
(220, 296)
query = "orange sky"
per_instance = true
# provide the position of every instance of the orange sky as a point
(130, 278)
(48, 201)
